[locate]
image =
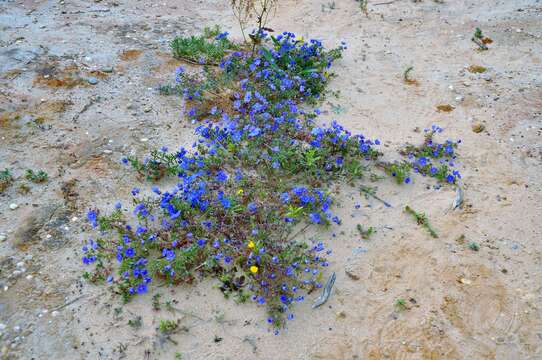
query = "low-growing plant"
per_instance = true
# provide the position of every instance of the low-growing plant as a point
(168, 327)
(156, 302)
(259, 172)
(209, 48)
(365, 233)
(437, 160)
(401, 304)
(36, 177)
(422, 220)
(474, 246)
(6, 179)
(136, 322)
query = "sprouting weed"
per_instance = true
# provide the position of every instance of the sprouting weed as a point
(117, 311)
(156, 301)
(168, 327)
(329, 5)
(478, 33)
(422, 220)
(363, 6)
(365, 233)
(36, 177)
(400, 304)
(178, 356)
(136, 322)
(406, 75)
(474, 246)
(23, 189)
(6, 179)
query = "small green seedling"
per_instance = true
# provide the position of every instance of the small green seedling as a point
(136, 322)
(5, 179)
(156, 302)
(400, 304)
(167, 327)
(36, 177)
(365, 233)
(422, 220)
(474, 246)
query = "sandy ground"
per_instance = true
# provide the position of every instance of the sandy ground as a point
(461, 304)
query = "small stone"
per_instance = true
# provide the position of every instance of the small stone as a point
(29, 277)
(13, 206)
(3, 237)
(478, 127)
(20, 264)
(92, 80)
(144, 140)
(54, 313)
(147, 109)
(459, 98)
(107, 69)
(108, 151)
(341, 314)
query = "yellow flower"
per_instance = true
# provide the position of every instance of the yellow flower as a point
(251, 244)
(240, 191)
(254, 269)
(299, 38)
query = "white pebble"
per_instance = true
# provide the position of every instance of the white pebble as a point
(54, 313)
(13, 206)
(75, 218)
(144, 140)
(20, 264)
(3, 237)
(29, 277)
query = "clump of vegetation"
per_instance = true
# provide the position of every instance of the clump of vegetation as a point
(476, 69)
(400, 171)
(474, 246)
(136, 322)
(445, 108)
(36, 177)
(401, 304)
(6, 179)
(365, 233)
(422, 220)
(209, 48)
(364, 7)
(260, 169)
(168, 327)
(406, 76)
(156, 302)
(479, 39)
(437, 160)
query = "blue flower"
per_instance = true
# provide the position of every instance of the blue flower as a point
(315, 218)
(92, 216)
(221, 176)
(285, 197)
